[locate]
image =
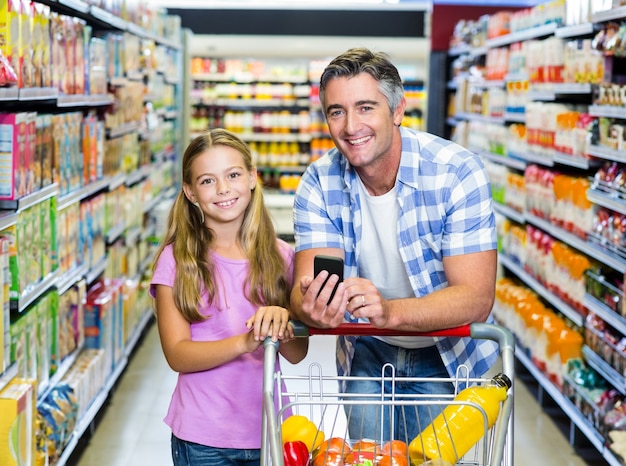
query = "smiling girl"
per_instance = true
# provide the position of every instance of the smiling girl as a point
(221, 283)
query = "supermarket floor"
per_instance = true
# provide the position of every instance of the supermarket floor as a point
(131, 432)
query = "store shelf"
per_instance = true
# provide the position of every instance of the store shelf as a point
(30, 200)
(501, 159)
(8, 375)
(607, 153)
(86, 191)
(607, 254)
(609, 15)
(84, 100)
(607, 200)
(570, 410)
(608, 111)
(96, 270)
(44, 389)
(509, 213)
(165, 132)
(546, 294)
(532, 156)
(481, 118)
(7, 220)
(37, 93)
(530, 33)
(245, 77)
(9, 93)
(575, 30)
(515, 117)
(33, 292)
(68, 279)
(584, 163)
(605, 370)
(96, 405)
(241, 104)
(278, 201)
(601, 254)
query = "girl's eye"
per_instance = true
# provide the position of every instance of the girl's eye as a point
(234, 175)
(206, 181)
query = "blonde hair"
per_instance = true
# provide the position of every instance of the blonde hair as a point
(267, 281)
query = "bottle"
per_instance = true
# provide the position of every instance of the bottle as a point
(458, 427)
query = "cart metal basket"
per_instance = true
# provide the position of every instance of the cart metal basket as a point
(318, 397)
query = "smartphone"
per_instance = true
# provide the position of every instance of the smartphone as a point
(333, 264)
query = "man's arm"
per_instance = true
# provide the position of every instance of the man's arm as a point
(306, 305)
(468, 297)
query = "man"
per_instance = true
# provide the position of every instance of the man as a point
(411, 214)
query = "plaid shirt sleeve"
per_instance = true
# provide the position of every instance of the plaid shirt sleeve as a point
(319, 191)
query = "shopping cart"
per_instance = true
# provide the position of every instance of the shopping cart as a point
(318, 397)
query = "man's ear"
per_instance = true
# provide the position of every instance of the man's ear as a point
(398, 115)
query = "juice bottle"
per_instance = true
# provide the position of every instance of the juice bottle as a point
(458, 427)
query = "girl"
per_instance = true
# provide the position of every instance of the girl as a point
(221, 282)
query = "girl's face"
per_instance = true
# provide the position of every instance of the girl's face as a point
(221, 184)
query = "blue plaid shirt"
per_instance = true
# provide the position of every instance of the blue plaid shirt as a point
(445, 209)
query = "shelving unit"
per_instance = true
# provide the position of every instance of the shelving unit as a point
(267, 103)
(274, 106)
(132, 182)
(581, 94)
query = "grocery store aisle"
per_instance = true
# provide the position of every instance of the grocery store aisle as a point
(131, 431)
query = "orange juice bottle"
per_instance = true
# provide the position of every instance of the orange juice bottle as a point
(459, 426)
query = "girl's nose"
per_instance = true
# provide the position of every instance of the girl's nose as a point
(223, 187)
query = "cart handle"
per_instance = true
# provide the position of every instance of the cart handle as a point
(477, 330)
(365, 329)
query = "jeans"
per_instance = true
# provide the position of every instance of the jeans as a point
(192, 454)
(373, 421)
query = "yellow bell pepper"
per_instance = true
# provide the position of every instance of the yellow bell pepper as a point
(297, 427)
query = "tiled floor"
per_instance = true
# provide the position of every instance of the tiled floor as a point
(131, 431)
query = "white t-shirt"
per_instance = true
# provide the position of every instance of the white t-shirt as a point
(380, 259)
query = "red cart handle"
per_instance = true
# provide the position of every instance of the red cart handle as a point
(364, 329)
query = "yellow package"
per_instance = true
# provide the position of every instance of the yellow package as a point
(16, 424)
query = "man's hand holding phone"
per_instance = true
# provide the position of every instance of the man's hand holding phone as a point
(322, 295)
(334, 266)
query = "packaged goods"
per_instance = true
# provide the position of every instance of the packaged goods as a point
(459, 426)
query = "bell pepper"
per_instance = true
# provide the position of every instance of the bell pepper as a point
(295, 453)
(297, 427)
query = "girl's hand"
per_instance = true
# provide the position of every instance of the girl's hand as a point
(270, 321)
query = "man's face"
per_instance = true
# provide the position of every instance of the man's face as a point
(359, 120)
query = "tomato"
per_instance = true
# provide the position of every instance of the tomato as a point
(356, 457)
(297, 427)
(395, 447)
(365, 445)
(393, 460)
(328, 458)
(333, 444)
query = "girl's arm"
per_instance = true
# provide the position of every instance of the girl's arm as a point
(184, 355)
(295, 350)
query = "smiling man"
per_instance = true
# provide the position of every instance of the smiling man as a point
(411, 214)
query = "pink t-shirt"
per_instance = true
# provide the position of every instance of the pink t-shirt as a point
(220, 407)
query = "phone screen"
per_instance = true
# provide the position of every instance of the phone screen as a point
(333, 264)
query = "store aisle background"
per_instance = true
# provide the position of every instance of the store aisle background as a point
(131, 431)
